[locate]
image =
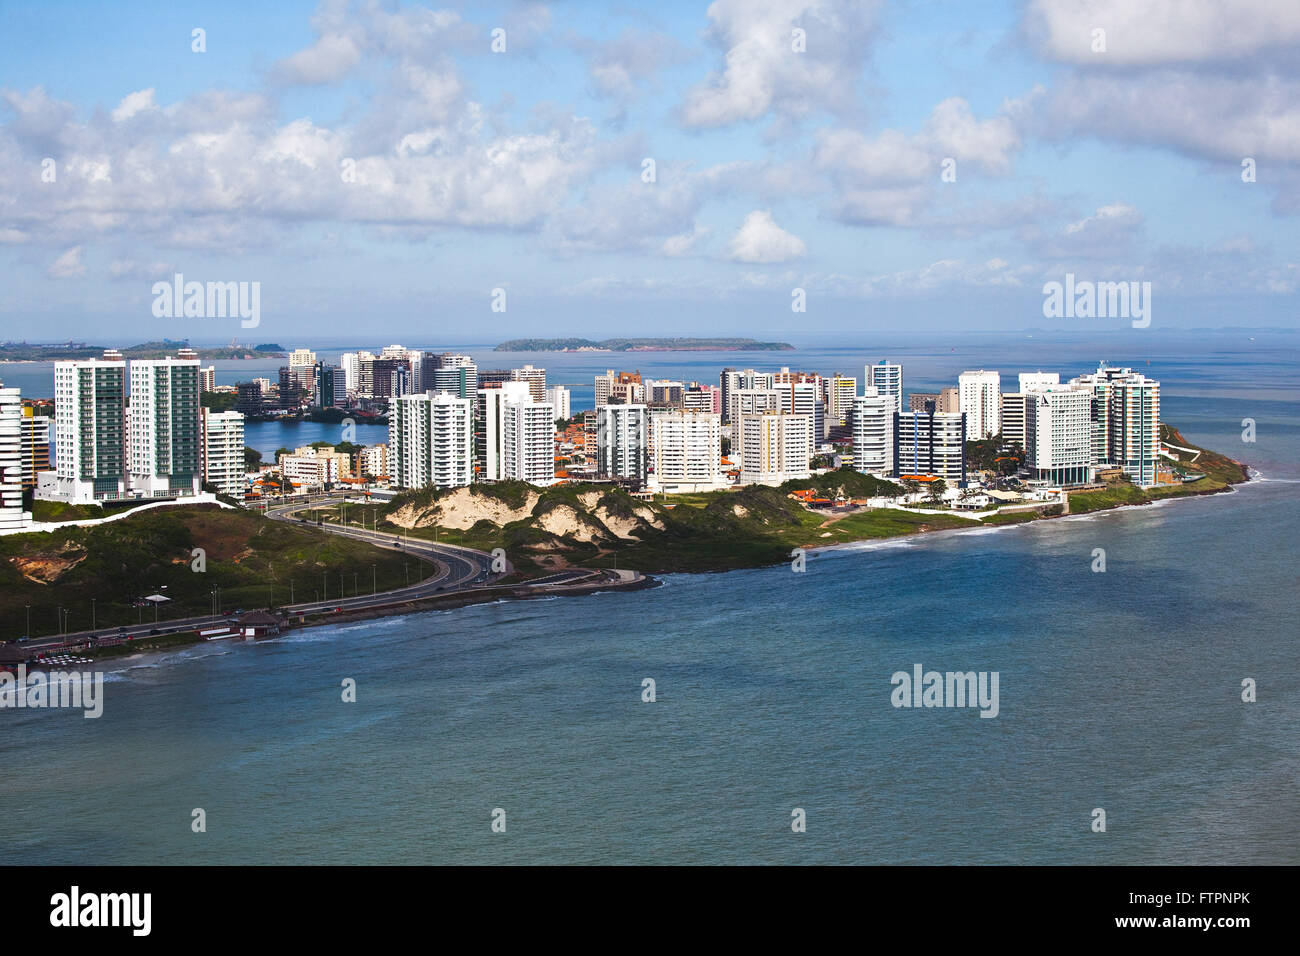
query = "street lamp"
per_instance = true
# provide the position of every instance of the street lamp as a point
(373, 579)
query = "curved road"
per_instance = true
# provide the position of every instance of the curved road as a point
(457, 568)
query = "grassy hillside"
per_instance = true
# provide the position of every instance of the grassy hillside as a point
(602, 526)
(251, 558)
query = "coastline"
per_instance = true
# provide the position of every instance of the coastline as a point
(522, 591)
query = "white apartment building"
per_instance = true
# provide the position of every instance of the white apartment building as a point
(734, 381)
(527, 440)
(90, 431)
(774, 447)
(873, 433)
(350, 362)
(536, 379)
(223, 452)
(489, 428)
(12, 515)
(164, 439)
(622, 438)
(804, 398)
(431, 441)
(980, 396)
(373, 460)
(557, 396)
(1035, 381)
(302, 358)
(686, 451)
(1058, 429)
(753, 401)
(703, 398)
(208, 379)
(887, 379)
(1125, 421)
(307, 469)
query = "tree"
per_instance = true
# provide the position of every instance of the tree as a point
(937, 488)
(252, 459)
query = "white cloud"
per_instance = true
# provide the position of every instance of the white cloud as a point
(68, 265)
(761, 240)
(133, 103)
(762, 72)
(1157, 32)
(327, 60)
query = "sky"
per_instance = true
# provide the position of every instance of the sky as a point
(382, 169)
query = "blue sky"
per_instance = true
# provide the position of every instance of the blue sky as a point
(775, 168)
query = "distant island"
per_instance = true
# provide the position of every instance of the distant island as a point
(64, 351)
(642, 345)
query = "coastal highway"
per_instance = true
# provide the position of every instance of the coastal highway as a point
(457, 568)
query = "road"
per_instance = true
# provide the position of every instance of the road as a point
(457, 569)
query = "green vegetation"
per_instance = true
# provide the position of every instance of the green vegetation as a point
(63, 511)
(604, 526)
(987, 455)
(251, 558)
(218, 401)
(644, 345)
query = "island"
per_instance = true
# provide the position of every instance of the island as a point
(642, 345)
(68, 351)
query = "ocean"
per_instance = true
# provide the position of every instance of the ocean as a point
(1119, 691)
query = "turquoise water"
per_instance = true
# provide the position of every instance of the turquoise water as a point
(1118, 690)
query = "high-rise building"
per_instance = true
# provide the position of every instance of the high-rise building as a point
(536, 379)
(841, 390)
(626, 387)
(90, 431)
(931, 444)
(431, 441)
(980, 393)
(248, 398)
(734, 381)
(372, 461)
(489, 427)
(12, 514)
(1125, 421)
(329, 386)
(459, 380)
(753, 401)
(686, 449)
(1033, 381)
(873, 433)
(557, 396)
(1058, 429)
(703, 398)
(774, 447)
(302, 358)
(36, 445)
(664, 393)
(351, 365)
(223, 452)
(1011, 416)
(887, 379)
(804, 398)
(165, 441)
(528, 440)
(208, 379)
(622, 437)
